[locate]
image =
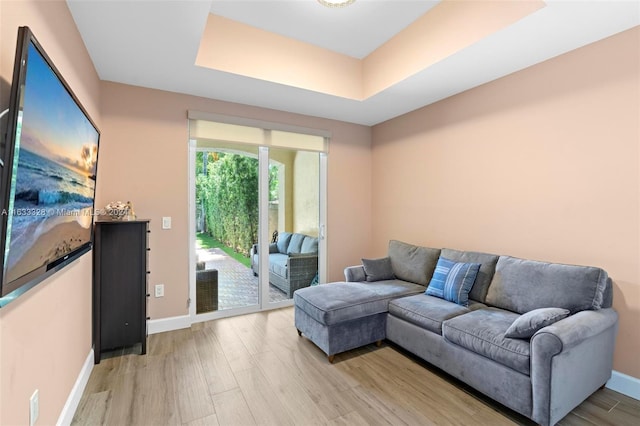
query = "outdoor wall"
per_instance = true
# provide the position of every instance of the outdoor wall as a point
(541, 164)
(285, 158)
(45, 335)
(306, 192)
(143, 158)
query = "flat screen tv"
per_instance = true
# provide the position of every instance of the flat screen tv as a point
(48, 176)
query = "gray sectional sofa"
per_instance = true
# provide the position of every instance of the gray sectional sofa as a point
(559, 319)
(293, 261)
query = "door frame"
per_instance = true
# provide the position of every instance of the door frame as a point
(263, 237)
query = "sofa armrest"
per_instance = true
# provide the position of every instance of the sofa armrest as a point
(301, 270)
(354, 273)
(273, 248)
(581, 326)
(570, 360)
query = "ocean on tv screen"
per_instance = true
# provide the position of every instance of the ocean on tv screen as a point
(53, 176)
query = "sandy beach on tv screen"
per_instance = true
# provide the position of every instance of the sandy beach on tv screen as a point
(58, 241)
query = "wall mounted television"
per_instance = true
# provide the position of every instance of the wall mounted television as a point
(48, 174)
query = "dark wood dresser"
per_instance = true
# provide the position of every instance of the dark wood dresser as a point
(120, 270)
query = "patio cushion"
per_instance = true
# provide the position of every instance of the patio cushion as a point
(278, 264)
(295, 245)
(309, 245)
(283, 242)
(482, 331)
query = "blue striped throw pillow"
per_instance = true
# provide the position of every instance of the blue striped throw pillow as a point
(452, 281)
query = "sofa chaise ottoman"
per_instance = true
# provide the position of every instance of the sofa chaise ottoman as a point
(338, 317)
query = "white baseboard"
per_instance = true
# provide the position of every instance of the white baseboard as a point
(168, 324)
(70, 407)
(625, 384)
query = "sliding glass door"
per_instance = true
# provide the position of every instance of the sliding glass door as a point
(256, 222)
(294, 221)
(227, 220)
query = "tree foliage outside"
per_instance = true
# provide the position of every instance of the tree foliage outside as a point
(227, 191)
(274, 186)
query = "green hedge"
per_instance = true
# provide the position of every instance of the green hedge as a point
(229, 193)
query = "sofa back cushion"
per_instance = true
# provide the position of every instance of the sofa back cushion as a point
(283, 242)
(607, 298)
(413, 263)
(485, 274)
(295, 245)
(521, 286)
(309, 245)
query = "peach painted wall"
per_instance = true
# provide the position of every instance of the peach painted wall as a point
(45, 335)
(143, 158)
(541, 164)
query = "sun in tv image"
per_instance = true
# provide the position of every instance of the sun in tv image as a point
(53, 175)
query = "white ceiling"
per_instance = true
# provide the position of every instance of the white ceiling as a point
(355, 31)
(153, 43)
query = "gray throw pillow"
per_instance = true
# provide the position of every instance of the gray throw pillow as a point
(527, 324)
(378, 269)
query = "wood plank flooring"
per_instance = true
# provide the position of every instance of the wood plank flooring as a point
(255, 370)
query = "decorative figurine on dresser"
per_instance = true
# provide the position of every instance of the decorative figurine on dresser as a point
(120, 270)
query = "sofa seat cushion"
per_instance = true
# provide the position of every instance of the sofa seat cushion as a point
(394, 288)
(425, 311)
(338, 302)
(482, 331)
(278, 264)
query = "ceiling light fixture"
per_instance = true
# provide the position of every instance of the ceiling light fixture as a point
(335, 3)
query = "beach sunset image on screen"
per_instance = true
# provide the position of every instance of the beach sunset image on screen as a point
(53, 175)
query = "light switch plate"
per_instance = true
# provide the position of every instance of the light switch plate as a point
(166, 222)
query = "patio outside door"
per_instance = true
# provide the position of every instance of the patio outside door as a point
(244, 197)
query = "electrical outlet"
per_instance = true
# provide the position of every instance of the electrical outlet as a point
(34, 408)
(166, 222)
(159, 290)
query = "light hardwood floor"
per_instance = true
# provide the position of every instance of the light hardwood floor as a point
(254, 369)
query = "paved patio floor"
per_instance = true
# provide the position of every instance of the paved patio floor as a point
(237, 287)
